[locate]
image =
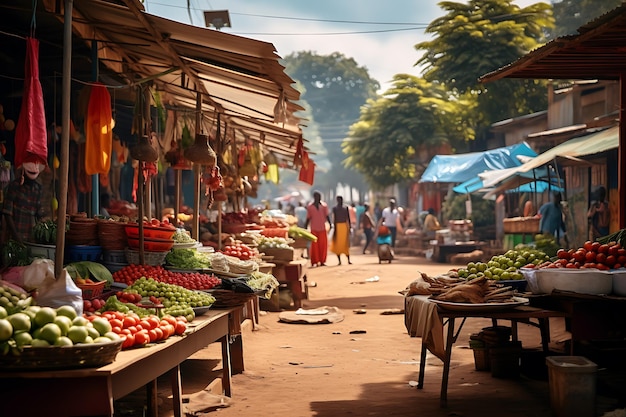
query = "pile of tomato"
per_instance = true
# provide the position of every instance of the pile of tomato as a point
(190, 280)
(240, 250)
(603, 256)
(136, 331)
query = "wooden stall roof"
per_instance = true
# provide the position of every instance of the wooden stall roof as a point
(598, 51)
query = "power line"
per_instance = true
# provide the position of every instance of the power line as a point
(329, 33)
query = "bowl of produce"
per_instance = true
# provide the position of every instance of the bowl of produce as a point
(583, 281)
(152, 244)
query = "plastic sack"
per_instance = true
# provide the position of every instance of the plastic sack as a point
(52, 292)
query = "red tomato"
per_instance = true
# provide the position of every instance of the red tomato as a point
(181, 327)
(129, 321)
(588, 245)
(590, 256)
(128, 341)
(142, 337)
(159, 332)
(603, 248)
(595, 246)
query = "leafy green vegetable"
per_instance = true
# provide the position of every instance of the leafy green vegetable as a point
(86, 269)
(188, 259)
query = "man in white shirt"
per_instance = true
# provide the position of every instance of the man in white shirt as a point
(390, 217)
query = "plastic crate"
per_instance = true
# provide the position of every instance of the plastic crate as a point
(83, 253)
(114, 256)
(38, 250)
(150, 258)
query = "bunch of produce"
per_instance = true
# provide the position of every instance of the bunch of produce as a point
(296, 232)
(187, 259)
(93, 305)
(189, 280)
(159, 223)
(240, 266)
(547, 244)
(504, 267)
(178, 301)
(476, 291)
(219, 262)
(263, 282)
(181, 236)
(240, 250)
(88, 272)
(45, 326)
(13, 299)
(617, 237)
(273, 243)
(138, 331)
(45, 232)
(15, 253)
(603, 256)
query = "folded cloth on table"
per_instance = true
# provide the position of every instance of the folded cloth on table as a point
(422, 320)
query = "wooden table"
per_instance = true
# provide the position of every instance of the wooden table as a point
(442, 250)
(522, 314)
(293, 275)
(91, 391)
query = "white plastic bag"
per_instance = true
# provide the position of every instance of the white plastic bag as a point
(50, 291)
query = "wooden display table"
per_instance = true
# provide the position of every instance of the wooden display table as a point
(91, 391)
(425, 319)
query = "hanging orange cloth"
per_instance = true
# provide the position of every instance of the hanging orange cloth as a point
(98, 131)
(31, 143)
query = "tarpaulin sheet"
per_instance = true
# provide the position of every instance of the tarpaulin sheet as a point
(31, 142)
(462, 167)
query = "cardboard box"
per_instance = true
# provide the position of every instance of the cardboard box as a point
(279, 254)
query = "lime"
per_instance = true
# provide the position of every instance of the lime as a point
(50, 332)
(80, 321)
(102, 339)
(6, 330)
(3, 313)
(92, 332)
(23, 338)
(44, 316)
(102, 325)
(77, 334)
(88, 340)
(19, 321)
(67, 311)
(64, 324)
(40, 343)
(63, 341)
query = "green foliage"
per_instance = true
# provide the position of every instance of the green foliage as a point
(483, 211)
(477, 37)
(569, 15)
(411, 115)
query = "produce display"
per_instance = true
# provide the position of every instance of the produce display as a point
(453, 288)
(88, 272)
(240, 250)
(596, 255)
(139, 331)
(13, 299)
(187, 259)
(504, 267)
(234, 265)
(181, 236)
(273, 243)
(176, 300)
(45, 232)
(189, 280)
(262, 282)
(45, 326)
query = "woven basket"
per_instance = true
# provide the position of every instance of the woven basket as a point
(521, 225)
(150, 258)
(91, 291)
(228, 298)
(112, 235)
(88, 355)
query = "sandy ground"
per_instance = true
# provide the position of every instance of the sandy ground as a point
(325, 370)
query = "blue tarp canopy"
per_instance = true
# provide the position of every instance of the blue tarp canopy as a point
(535, 181)
(462, 167)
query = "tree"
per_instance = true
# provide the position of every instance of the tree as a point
(569, 15)
(335, 88)
(473, 39)
(413, 115)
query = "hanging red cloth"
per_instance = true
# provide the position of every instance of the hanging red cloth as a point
(307, 171)
(98, 131)
(31, 138)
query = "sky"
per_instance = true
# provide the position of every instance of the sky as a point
(379, 35)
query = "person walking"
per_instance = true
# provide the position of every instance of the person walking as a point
(551, 221)
(341, 236)
(367, 223)
(390, 217)
(599, 215)
(317, 216)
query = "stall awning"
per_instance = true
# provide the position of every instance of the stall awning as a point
(538, 181)
(238, 77)
(462, 167)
